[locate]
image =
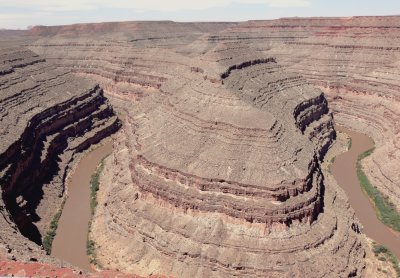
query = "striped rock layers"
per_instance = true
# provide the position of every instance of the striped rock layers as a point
(217, 171)
(218, 174)
(48, 116)
(355, 61)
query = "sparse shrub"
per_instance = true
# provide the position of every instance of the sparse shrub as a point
(94, 187)
(386, 211)
(385, 254)
(51, 233)
(349, 143)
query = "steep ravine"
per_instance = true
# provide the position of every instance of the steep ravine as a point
(241, 142)
(48, 117)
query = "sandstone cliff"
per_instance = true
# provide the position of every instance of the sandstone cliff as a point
(354, 60)
(48, 117)
(217, 170)
(212, 179)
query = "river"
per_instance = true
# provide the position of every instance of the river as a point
(344, 171)
(70, 241)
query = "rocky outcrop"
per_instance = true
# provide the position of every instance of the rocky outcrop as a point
(207, 180)
(218, 166)
(18, 269)
(355, 62)
(48, 117)
(217, 169)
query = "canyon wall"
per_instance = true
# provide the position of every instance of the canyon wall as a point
(215, 179)
(48, 117)
(353, 60)
(217, 169)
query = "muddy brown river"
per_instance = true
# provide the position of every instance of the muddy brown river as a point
(70, 241)
(344, 171)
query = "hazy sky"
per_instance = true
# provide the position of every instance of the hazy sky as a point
(22, 13)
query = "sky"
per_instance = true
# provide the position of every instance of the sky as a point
(20, 14)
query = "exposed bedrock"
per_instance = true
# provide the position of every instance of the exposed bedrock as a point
(217, 169)
(48, 117)
(355, 61)
(378, 116)
(208, 181)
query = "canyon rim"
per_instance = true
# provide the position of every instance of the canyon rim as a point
(222, 134)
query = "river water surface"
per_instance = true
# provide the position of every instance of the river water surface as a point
(70, 241)
(344, 171)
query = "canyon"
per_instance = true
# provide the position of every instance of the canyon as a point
(48, 117)
(220, 135)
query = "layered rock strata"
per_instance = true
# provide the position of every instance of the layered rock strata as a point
(48, 117)
(209, 180)
(217, 171)
(355, 61)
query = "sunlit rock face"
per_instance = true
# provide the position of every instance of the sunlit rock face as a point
(48, 116)
(217, 169)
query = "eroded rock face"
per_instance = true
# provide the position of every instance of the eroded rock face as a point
(217, 170)
(18, 269)
(355, 61)
(220, 184)
(48, 116)
(222, 181)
